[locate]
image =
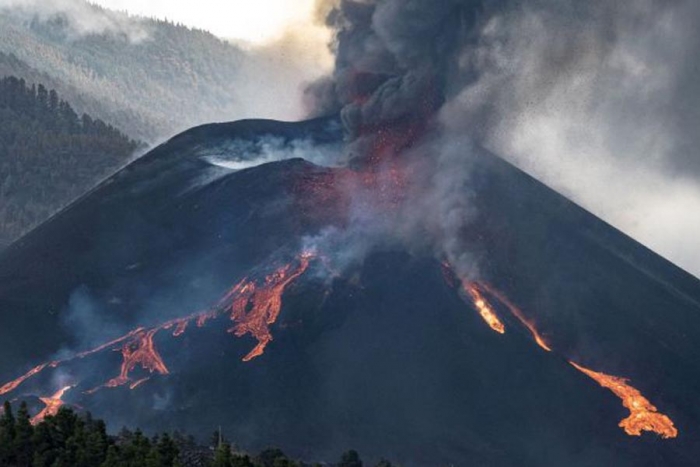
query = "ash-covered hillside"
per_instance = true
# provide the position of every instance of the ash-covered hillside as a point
(303, 305)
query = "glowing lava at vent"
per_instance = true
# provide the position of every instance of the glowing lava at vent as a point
(53, 403)
(257, 306)
(644, 416)
(483, 307)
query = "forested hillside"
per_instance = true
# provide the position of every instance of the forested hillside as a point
(148, 77)
(49, 155)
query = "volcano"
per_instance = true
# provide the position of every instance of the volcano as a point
(195, 288)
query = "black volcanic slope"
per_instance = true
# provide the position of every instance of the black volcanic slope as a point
(390, 360)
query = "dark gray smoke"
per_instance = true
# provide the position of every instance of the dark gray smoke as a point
(394, 59)
(598, 99)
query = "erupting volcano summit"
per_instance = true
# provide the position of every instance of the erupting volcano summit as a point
(384, 284)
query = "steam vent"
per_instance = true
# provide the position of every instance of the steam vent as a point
(368, 299)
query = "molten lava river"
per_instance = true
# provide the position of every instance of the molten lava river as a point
(644, 416)
(253, 305)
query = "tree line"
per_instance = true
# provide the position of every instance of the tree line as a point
(69, 439)
(49, 155)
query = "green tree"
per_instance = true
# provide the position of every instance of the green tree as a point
(222, 456)
(7, 435)
(350, 459)
(23, 445)
(44, 451)
(268, 457)
(168, 451)
(96, 443)
(242, 461)
(113, 458)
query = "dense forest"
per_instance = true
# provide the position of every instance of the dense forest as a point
(148, 77)
(49, 155)
(68, 439)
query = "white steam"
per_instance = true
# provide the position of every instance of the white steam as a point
(598, 101)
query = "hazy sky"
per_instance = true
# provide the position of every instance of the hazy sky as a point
(246, 20)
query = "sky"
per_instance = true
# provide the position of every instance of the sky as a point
(251, 21)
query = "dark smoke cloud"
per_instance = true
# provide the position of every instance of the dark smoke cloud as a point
(393, 59)
(598, 99)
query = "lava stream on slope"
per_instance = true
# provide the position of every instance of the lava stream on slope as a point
(253, 305)
(644, 416)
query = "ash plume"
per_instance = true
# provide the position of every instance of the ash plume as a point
(594, 98)
(393, 59)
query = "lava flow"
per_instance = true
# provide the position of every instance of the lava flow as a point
(12, 385)
(644, 416)
(53, 403)
(515, 311)
(485, 310)
(255, 307)
(139, 351)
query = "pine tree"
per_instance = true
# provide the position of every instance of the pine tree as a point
(44, 449)
(222, 456)
(350, 459)
(24, 432)
(113, 458)
(168, 450)
(241, 461)
(7, 435)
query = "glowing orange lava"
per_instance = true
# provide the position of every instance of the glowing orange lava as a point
(53, 403)
(483, 307)
(139, 351)
(515, 311)
(257, 306)
(644, 416)
(12, 385)
(253, 306)
(139, 382)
